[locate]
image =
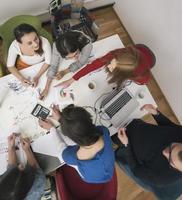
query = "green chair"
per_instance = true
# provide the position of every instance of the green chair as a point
(6, 33)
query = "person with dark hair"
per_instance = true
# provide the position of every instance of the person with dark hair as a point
(93, 155)
(28, 49)
(19, 183)
(133, 62)
(70, 45)
(151, 154)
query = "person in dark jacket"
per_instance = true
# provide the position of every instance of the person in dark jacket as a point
(152, 153)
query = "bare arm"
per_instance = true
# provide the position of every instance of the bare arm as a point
(46, 89)
(161, 119)
(12, 159)
(19, 76)
(42, 70)
(39, 74)
(30, 156)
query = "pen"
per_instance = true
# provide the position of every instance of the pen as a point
(72, 96)
(55, 128)
(31, 84)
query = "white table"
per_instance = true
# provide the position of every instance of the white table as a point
(16, 106)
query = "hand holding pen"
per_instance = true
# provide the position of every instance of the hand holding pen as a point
(26, 82)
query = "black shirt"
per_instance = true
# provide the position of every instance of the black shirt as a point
(144, 152)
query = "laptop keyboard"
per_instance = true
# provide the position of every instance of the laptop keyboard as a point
(118, 104)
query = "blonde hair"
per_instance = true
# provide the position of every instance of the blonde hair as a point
(126, 62)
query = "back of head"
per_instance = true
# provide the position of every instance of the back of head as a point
(15, 184)
(70, 42)
(76, 123)
(127, 61)
(23, 29)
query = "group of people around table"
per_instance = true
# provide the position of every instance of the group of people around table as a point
(150, 154)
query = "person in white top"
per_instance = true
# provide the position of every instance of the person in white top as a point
(28, 49)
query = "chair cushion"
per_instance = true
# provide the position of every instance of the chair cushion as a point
(74, 187)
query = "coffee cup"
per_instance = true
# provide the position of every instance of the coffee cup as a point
(91, 85)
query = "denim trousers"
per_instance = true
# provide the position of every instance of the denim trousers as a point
(168, 192)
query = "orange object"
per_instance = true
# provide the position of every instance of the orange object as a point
(20, 64)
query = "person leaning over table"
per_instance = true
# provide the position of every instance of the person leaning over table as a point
(93, 155)
(28, 49)
(70, 45)
(133, 62)
(152, 154)
(19, 183)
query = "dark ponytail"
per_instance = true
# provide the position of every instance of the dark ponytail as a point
(70, 42)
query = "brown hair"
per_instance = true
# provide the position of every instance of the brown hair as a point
(23, 29)
(40, 51)
(127, 60)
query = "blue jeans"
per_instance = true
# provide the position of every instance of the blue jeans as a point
(168, 192)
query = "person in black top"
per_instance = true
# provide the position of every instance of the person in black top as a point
(153, 153)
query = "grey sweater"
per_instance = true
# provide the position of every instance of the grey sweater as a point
(56, 59)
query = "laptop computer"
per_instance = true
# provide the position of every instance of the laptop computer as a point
(118, 106)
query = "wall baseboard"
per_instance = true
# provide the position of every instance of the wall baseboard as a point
(45, 17)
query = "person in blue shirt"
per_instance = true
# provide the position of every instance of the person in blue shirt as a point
(19, 183)
(93, 155)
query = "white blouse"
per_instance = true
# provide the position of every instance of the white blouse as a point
(14, 51)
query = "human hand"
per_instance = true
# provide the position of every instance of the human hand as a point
(56, 114)
(11, 141)
(59, 75)
(122, 136)
(25, 143)
(66, 83)
(150, 109)
(46, 124)
(25, 82)
(43, 94)
(35, 81)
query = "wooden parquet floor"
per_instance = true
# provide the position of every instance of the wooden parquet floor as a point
(110, 24)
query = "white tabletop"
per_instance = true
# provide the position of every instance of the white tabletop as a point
(17, 104)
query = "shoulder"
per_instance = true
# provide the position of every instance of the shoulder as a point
(45, 42)
(38, 186)
(104, 130)
(54, 49)
(69, 154)
(14, 46)
(146, 52)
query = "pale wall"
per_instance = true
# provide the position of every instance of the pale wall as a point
(157, 23)
(10, 8)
